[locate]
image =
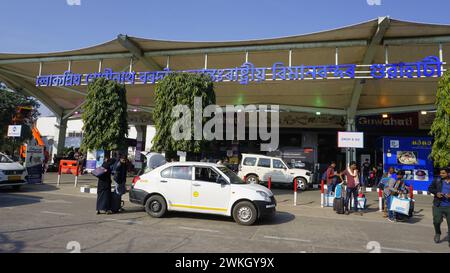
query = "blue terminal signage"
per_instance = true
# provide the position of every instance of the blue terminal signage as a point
(430, 66)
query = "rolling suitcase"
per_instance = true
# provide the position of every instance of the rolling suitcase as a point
(116, 202)
(338, 205)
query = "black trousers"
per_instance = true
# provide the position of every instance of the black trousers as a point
(438, 215)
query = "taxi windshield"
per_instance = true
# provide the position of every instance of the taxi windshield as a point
(234, 179)
(5, 159)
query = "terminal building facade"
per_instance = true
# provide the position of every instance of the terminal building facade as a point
(378, 77)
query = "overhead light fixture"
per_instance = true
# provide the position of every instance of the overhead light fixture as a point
(318, 113)
(135, 110)
(423, 112)
(385, 115)
(76, 113)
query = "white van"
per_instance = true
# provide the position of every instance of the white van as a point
(203, 188)
(258, 168)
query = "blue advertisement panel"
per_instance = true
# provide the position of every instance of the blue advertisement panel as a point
(410, 154)
(100, 156)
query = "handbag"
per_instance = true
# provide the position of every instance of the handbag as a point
(99, 171)
(400, 205)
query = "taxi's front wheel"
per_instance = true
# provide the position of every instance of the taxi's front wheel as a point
(156, 206)
(244, 213)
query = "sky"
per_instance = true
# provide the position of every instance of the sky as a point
(32, 26)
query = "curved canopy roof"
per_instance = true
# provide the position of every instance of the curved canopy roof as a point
(363, 43)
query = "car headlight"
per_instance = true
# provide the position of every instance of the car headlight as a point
(264, 195)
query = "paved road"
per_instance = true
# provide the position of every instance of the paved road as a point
(44, 218)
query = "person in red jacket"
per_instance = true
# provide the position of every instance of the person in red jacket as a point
(331, 177)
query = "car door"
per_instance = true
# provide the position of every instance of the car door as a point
(176, 184)
(263, 168)
(279, 171)
(208, 195)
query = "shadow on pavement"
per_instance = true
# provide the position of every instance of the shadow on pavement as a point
(9, 246)
(29, 188)
(281, 217)
(198, 216)
(13, 200)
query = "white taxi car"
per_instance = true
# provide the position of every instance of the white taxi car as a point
(203, 188)
(11, 173)
(258, 168)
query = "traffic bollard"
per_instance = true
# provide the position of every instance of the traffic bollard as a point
(295, 192)
(269, 183)
(380, 199)
(411, 191)
(321, 193)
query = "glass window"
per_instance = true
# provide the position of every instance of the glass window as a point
(182, 172)
(166, 172)
(264, 162)
(206, 174)
(234, 179)
(5, 159)
(249, 161)
(278, 164)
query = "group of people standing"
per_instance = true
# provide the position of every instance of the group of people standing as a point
(354, 182)
(109, 201)
(392, 183)
(351, 173)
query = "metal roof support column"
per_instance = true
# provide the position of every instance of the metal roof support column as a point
(336, 56)
(29, 89)
(350, 153)
(383, 25)
(137, 52)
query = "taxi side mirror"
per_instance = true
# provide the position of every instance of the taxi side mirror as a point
(222, 180)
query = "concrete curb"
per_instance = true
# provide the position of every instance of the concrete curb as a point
(87, 189)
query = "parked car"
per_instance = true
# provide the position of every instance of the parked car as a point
(258, 168)
(11, 173)
(202, 188)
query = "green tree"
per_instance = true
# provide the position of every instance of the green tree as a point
(179, 89)
(10, 100)
(105, 124)
(440, 129)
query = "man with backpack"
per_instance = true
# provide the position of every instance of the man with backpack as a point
(440, 188)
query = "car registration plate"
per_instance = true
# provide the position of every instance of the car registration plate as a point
(14, 177)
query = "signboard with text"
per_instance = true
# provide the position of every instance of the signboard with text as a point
(14, 130)
(350, 140)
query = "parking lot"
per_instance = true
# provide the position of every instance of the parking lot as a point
(47, 218)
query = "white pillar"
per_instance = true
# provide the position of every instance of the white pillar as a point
(60, 133)
(141, 131)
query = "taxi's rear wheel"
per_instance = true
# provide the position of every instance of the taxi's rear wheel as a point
(156, 206)
(244, 213)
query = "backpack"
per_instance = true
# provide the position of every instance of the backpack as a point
(338, 191)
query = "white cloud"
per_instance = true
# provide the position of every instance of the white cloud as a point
(73, 2)
(374, 2)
